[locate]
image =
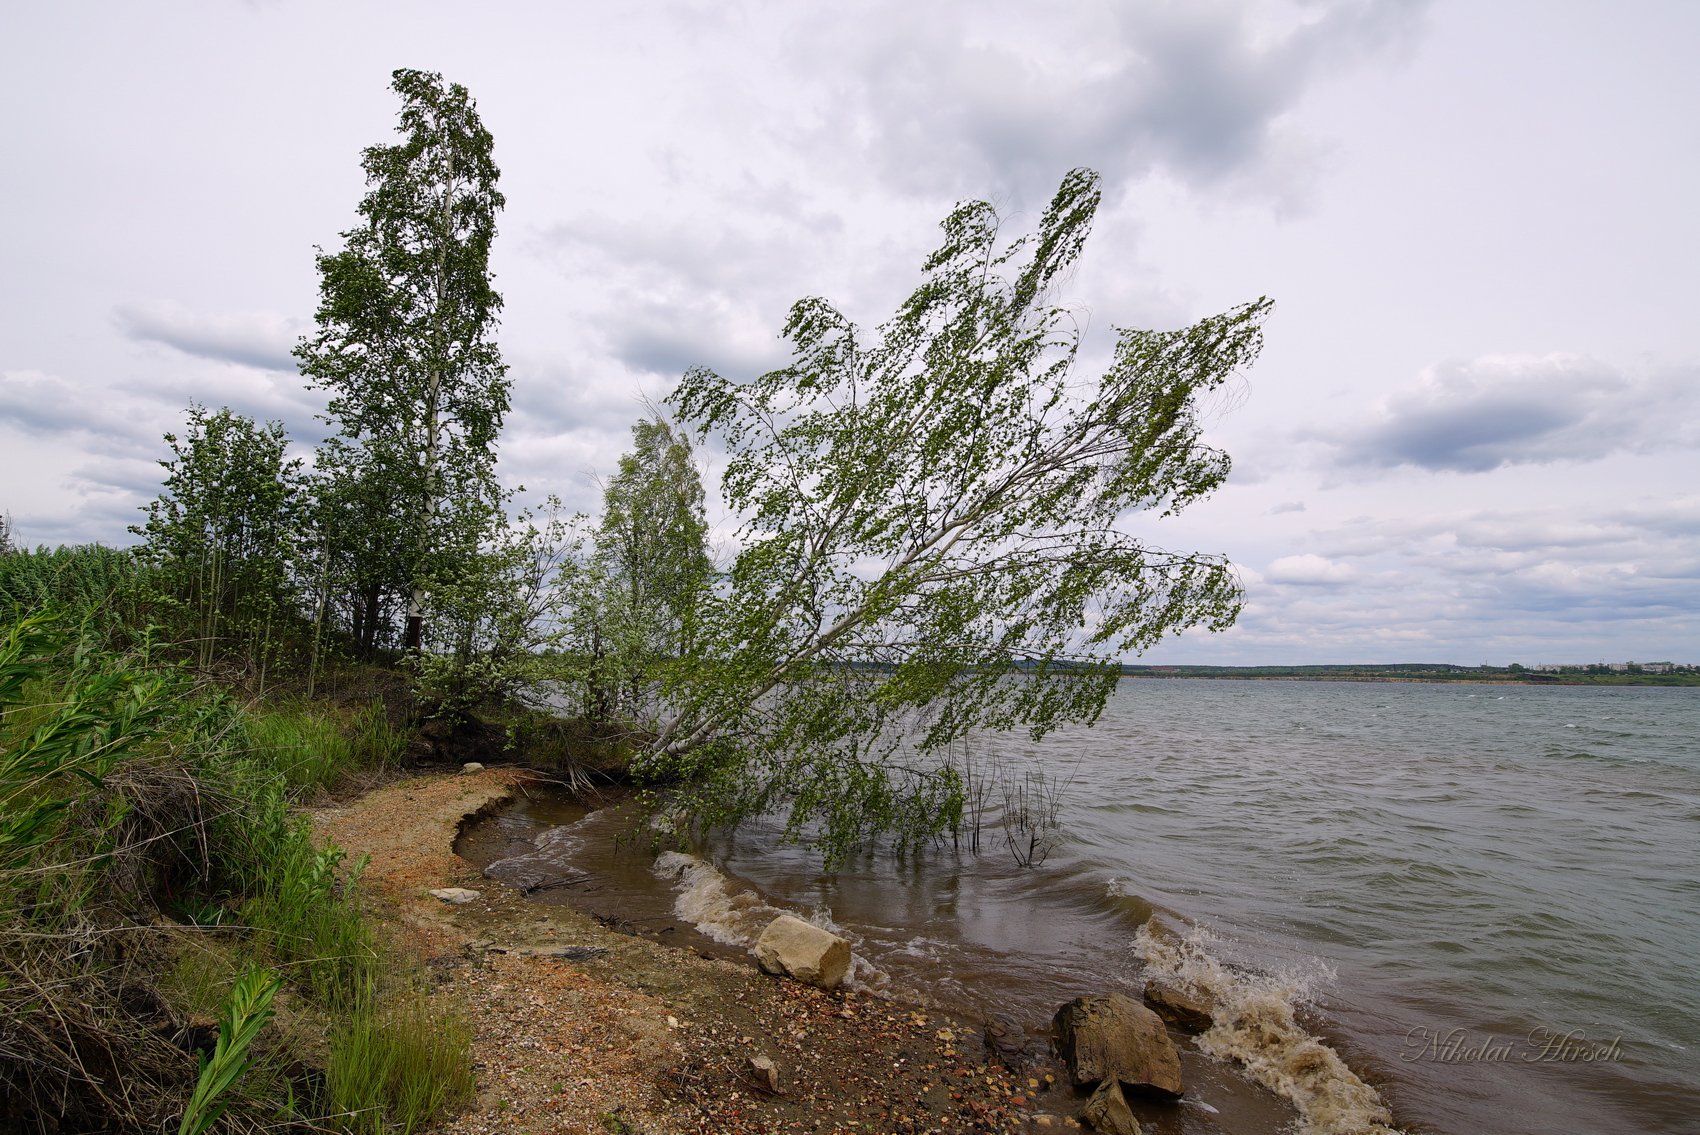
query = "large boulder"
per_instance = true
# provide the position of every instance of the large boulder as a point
(1107, 1111)
(804, 951)
(1178, 1007)
(1111, 1036)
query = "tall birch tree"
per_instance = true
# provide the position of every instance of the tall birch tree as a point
(404, 342)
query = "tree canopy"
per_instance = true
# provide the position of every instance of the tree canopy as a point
(406, 319)
(930, 542)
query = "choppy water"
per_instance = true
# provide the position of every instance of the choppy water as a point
(1435, 899)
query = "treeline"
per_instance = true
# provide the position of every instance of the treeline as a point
(1419, 671)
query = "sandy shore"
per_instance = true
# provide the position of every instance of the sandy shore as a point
(579, 1027)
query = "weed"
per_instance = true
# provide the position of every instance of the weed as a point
(245, 1014)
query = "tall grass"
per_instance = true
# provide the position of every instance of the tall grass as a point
(78, 581)
(307, 749)
(127, 790)
(393, 1066)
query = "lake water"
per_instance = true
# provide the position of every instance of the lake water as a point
(1474, 907)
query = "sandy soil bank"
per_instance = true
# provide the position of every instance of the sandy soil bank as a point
(582, 1028)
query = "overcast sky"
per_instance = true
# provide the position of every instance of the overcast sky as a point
(1473, 435)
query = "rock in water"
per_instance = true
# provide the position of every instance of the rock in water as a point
(456, 895)
(1178, 1007)
(804, 951)
(1112, 1036)
(1107, 1111)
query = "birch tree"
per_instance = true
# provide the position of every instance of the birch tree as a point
(934, 538)
(404, 341)
(651, 566)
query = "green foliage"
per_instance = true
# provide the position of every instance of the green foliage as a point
(245, 1014)
(307, 916)
(651, 571)
(376, 743)
(127, 791)
(405, 347)
(394, 1066)
(502, 615)
(357, 558)
(309, 750)
(93, 719)
(931, 540)
(222, 534)
(98, 588)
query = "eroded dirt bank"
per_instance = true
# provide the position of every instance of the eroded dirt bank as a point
(581, 1028)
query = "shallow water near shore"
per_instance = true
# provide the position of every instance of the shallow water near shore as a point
(1482, 900)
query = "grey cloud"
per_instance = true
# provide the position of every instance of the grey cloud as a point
(47, 405)
(669, 343)
(1196, 90)
(1287, 506)
(258, 340)
(553, 397)
(1519, 410)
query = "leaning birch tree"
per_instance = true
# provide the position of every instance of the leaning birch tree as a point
(404, 340)
(933, 540)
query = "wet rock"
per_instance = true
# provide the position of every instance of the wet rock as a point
(1009, 1042)
(804, 951)
(456, 895)
(766, 1074)
(1112, 1036)
(1005, 1037)
(1179, 1008)
(1107, 1111)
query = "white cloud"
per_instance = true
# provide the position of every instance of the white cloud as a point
(1310, 569)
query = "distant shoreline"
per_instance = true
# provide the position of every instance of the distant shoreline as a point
(1379, 674)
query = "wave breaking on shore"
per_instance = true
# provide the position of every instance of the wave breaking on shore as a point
(708, 900)
(1256, 1027)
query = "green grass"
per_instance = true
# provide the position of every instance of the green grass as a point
(128, 791)
(393, 1065)
(309, 750)
(93, 585)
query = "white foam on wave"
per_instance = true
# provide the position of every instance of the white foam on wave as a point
(736, 917)
(561, 843)
(1256, 1027)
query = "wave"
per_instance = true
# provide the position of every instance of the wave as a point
(708, 900)
(1256, 1027)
